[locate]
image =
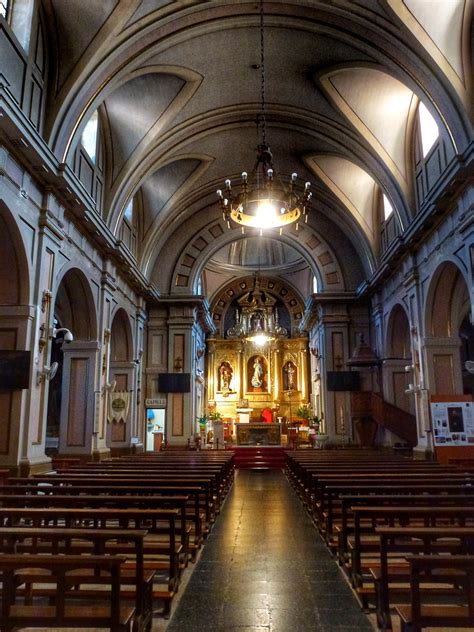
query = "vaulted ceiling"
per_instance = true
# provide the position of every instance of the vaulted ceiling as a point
(177, 85)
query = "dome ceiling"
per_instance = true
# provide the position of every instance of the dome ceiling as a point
(178, 88)
(256, 253)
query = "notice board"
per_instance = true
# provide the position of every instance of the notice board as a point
(452, 420)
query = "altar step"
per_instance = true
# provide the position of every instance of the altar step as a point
(259, 458)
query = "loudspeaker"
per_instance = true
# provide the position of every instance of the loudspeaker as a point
(343, 380)
(174, 382)
(14, 370)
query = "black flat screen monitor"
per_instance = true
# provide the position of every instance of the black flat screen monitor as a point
(343, 380)
(174, 382)
(14, 370)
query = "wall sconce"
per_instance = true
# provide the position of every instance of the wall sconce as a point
(46, 299)
(42, 339)
(68, 337)
(47, 374)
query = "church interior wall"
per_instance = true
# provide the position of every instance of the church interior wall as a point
(62, 230)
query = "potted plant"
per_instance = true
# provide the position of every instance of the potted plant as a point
(304, 412)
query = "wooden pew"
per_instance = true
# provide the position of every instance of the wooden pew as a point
(91, 541)
(194, 515)
(329, 511)
(204, 482)
(418, 615)
(378, 500)
(388, 575)
(100, 518)
(113, 501)
(400, 516)
(61, 613)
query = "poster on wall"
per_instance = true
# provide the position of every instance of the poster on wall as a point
(453, 423)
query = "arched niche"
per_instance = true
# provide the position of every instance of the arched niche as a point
(121, 343)
(74, 309)
(74, 306)
(447, 301)
(398, 334)
(398, 356)
(121, 375)
(14, 284)
(446, 306)
(224, 304)
(15, 315)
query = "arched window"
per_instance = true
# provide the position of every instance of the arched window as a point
(19, 14)
(129, 227)
(5, 6)
(389, 226)
(89, 136)
(387, 207)
(428, 129)
(89, 159)
(199, 286)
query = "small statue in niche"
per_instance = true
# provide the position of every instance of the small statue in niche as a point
(257, 373)
(289, 376)
(225, 375)
(256, 322)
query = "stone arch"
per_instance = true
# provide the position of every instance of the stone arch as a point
(15, 325)
(398, 354)
(14, 269)
(398, 340)
(121, 339)
(447, 301)
(446, 306)
(318, 254)
(236, 288)
(121, 373)
(74, 388)
(74, 304)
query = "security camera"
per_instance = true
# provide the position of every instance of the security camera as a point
(68, 337)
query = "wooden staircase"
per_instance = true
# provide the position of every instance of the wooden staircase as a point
(259, 457)
(398, 421)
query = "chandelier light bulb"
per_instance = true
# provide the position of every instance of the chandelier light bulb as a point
(294, 176)
(227, 183)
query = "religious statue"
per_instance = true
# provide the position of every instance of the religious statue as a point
(225, 373)
(256, 322)
(289, 371)
(257, 375)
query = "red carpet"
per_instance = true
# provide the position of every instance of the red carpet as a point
(259, 457)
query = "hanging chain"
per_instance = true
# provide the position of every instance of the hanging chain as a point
(262, 75)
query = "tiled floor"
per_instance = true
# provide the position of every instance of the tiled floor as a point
(264, 568)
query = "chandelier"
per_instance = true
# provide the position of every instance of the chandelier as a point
(263, 200)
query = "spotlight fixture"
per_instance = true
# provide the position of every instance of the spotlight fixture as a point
(68, 337)
(263, 200)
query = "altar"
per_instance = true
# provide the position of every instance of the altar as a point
(258, 433)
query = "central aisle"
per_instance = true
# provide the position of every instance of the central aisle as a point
(265, 568)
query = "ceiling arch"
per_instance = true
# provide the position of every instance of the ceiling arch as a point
(187, 72)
